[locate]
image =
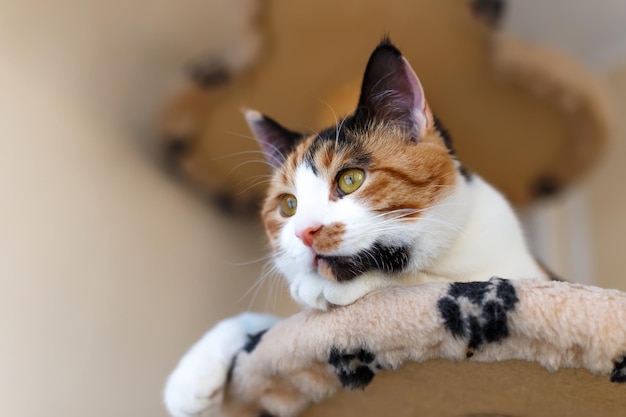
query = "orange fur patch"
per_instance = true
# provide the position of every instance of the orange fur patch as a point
(406, 176)
(329, 237)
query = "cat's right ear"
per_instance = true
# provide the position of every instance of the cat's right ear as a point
(275, 140)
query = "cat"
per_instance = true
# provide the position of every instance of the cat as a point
(377, 200)
(380, 199)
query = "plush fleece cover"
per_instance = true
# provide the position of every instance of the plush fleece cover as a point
(442, 349)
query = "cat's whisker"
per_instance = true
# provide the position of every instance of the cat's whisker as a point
(263, 258)
(392, 226)
(254, 180)
(311, 130)
(338, 130)
(248, 162)
(268, 272)
(255, 177)
(329, 107)
(441, 222)
(236, 154)
(254, 290)
(242, 135)
(254, 185)
(277, 284)
(275, 159)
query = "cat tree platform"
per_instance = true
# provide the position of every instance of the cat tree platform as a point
(527, 119)
(497, 348)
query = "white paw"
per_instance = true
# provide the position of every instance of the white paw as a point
(196, 387)
(309, 292)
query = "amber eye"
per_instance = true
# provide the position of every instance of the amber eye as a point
(288, 205)
(350, 180)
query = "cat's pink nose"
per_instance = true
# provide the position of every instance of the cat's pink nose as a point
(307, 235)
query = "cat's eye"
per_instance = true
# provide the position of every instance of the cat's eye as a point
(288, 205)
(350, 180)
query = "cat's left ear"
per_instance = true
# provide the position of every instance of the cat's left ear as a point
(392, 93)
(275, 140)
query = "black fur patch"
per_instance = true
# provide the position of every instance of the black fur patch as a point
(354, 370)
(619, 372)
(447, 140)
(381, 258)
(484, 319)
(339, 139)
(253, 340)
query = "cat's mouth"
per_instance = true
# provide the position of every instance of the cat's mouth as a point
(386, 259)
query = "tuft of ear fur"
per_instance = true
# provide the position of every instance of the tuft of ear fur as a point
(392, 93)
(275, 140)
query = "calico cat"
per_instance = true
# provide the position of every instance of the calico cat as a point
(380, 199)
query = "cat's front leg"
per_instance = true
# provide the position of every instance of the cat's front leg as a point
(196, 387)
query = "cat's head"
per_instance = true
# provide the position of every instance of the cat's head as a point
(368, 201)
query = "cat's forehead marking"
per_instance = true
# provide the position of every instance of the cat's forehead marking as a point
(336, 148)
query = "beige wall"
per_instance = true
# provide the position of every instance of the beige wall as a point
(606, 193)
(109, 270)
(580, 233)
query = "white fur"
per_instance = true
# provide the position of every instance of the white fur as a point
(196, 387)
(470, 235)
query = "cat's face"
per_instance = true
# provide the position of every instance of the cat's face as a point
(364, 202)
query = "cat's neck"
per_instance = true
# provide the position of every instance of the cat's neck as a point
(491, 242)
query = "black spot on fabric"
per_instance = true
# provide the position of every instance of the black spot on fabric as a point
(253, 340)
(475, 291)
(176, 147)
(477, 311)
(619, 372)
(386, 259)
(213, 72)
(251, 343)
(475, 335)
(490, 11)
(451, 313)
(505, 291)
(365, 356)
(266, 414)
(545, 187)
(495, 327)
(354, 370)
(226, 202)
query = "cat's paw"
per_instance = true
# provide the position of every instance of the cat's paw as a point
(319, 293)
(196, 387)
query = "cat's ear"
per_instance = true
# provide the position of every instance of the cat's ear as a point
(275, 140)
(392, 93)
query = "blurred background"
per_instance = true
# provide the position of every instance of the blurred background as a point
(111, 267)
